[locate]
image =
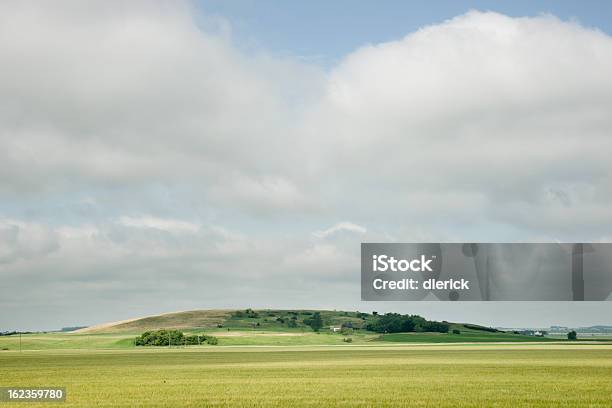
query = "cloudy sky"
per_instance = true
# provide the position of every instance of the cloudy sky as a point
(168, 156)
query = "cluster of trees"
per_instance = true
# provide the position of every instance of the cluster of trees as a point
(397, 323)
(165, 337)
(315, 322)
(12, 333)
(481, 328)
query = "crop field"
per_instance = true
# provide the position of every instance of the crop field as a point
(387, 375)
(261, 337)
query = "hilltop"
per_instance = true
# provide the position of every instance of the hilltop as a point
(261, 319)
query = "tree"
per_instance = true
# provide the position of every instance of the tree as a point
(572, 335)
(397, 323)
(315, 322)
(161, 337)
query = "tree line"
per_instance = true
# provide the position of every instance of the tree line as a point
(398, 323)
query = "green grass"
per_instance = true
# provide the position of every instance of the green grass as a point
(51, 341)
(387, 375)
(261, 337)
(466, 336)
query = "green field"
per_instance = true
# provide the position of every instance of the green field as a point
(262, 362)
(387, 375)
(267, 328)
(469, 336)
(245, 337)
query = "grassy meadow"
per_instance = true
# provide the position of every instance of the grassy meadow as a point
(261, 361)
(267, 328)
(386, 375)
(250, 337)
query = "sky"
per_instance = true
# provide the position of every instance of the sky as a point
(164, 156)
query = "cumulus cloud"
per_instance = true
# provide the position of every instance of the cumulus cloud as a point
(22, 241)
(205, 169)
(170, 225)
(490, 111)
(342, 226)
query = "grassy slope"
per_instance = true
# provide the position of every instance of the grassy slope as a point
(210, 319)
(242, 331)
(435, 375)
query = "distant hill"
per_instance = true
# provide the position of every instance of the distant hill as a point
(292, 322)
(267, 319)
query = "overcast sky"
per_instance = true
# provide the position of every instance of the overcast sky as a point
(157, 157)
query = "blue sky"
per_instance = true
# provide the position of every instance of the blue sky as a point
(325, 31)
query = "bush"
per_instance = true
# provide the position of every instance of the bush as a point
(347, 340)
(572, 335)
(456, 331)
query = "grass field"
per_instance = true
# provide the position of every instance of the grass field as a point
(465, 336)
(388, 375)
(246, 337)
(261, 362)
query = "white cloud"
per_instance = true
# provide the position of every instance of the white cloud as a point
(22, 241)
(342, 226)
(170, 225)
(483, 127)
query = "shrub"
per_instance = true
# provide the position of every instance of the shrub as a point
(572, 335)
(347, 340)
(456, 331)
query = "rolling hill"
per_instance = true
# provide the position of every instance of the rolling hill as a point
(263, 323)
(271, 320)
